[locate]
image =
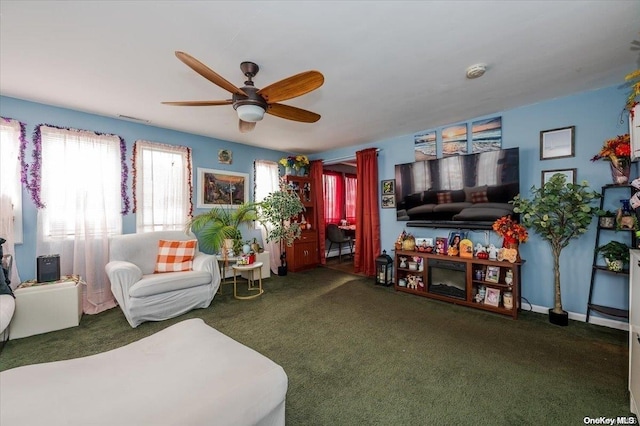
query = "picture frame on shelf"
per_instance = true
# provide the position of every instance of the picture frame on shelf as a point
(492, 297)
(492, 275)
(442, 244)
(557, 143)
(221, 188)
(570, 174)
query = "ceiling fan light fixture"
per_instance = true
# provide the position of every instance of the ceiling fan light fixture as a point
(250, 113)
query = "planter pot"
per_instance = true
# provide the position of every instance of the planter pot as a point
(614, 265)
(282, 271)
(559, 319)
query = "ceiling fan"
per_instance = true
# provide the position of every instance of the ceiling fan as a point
(250, 102)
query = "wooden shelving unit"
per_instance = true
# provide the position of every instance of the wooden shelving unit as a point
(428, 277)
(304, 254)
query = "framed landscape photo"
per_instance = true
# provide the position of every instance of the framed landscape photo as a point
(492, 297)
(569, 173)
(557, 143)
(220, 188)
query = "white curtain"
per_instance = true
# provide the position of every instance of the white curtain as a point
(10, 191)
(163, 186)
(267, 180)
(80, 188)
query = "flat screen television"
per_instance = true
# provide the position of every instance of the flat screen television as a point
(464, 191)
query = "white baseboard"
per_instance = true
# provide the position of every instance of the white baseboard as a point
(605, 322)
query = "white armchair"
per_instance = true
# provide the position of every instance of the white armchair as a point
(145, 296)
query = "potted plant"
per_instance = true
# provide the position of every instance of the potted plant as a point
(615, 254)
(220, 224)
(275, 213)
(558, 212)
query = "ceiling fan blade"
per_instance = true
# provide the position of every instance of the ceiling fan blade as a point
(199, 103)
(246, 126)
(208, 73)
(293, 113)
(292, 87)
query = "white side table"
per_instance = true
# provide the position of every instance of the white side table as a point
(45, 307)
(251, 270)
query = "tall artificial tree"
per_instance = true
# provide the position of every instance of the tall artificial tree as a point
(559, 212)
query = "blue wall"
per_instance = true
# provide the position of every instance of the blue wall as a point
(597, 116)
(204, 153)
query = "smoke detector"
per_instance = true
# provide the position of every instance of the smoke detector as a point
(475, 71)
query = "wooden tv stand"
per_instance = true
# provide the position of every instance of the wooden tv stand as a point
(466, 272)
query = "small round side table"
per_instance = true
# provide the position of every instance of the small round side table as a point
(251, 269)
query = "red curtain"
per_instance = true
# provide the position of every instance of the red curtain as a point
(318, 219)
(367, 213)
(333, 187)
(350, 194)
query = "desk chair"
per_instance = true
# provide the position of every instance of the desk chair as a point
(338, 236)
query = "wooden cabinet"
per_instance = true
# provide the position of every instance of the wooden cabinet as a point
(304, 253)
(483, 284)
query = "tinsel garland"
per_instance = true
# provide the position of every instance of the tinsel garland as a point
(36, 169)
(190, 182)
(124, 173)
(36, 166)
(134, 176)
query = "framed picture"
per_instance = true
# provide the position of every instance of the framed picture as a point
(492, 297)
(569, 173)
(220, 188)
(493, 274)
(225, 156)
(557, 143)
(388, 201)
(441, 245)
(388, 187)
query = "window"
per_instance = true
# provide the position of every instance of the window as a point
(339, 196)
(10, 189)
(80, 184)
(162, 186)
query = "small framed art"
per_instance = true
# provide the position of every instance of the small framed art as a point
(492, 297)
(570, 175)
(388, 187)
(493, 274)
(557, 143)
(388, 201)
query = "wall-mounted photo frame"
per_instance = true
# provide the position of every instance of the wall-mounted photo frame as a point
(388, 187)
(221, 188)
(388, 201)
(492, 297)
(569, 173)
(225, 156)
(557, 143)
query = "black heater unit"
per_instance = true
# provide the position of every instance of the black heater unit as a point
(48, 268)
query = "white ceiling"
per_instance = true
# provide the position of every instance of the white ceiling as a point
(391, 68)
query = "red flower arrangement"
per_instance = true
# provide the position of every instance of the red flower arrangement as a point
(617, 150)
(511, 230)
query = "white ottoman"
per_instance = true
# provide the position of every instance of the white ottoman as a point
(45, 307)
(186, 374)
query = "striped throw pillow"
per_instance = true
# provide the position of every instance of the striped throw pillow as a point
(175, 256)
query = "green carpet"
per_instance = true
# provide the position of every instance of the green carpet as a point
(356, 353)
